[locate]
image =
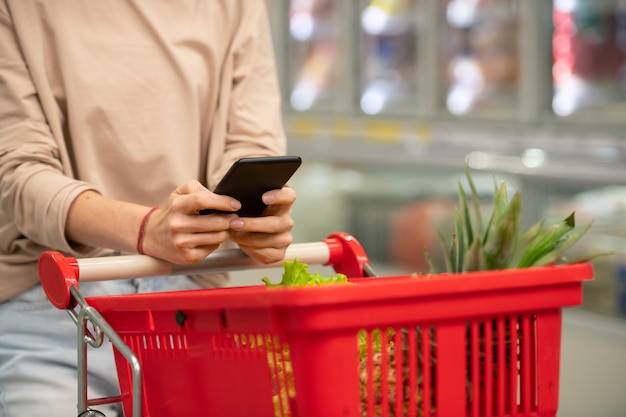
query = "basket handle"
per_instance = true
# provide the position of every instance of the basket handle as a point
(58, 273)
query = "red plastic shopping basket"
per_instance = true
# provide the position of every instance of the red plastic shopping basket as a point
(476, 344)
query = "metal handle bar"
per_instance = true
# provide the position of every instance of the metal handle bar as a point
(58, 273)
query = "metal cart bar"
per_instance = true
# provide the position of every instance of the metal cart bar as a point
(223, 260)
(58, 273)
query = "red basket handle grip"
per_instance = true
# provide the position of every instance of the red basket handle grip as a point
(347, 256)
(59, 273)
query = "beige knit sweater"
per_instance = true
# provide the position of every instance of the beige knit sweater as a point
(131, 98)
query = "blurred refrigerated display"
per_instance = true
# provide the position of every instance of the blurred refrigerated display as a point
(388, 54)
(605, 209)
(314, 47)
(480, 47)
(589, 57)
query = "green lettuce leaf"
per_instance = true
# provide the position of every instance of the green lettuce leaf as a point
(296, 273)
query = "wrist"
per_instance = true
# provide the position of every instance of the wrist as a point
(142, 229)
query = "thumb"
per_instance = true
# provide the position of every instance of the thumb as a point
(190, 187)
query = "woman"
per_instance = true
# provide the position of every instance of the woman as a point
(116, 118)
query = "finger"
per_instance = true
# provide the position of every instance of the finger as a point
(178, 223)
(190, 187)
(262, 240)
(182, 239)
(195, 202)
(283, 196)
(265, 224)
(216, 204)
(266, 255)
(193, 241)
(192, 197)
(263, 247)
(195, 255)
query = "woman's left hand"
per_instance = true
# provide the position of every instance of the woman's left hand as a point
(266, 238)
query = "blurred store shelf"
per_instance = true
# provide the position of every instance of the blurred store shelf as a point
(581, 171)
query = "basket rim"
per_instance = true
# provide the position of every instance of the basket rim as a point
(357, 290)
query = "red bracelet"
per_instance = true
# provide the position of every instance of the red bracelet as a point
(142, 229)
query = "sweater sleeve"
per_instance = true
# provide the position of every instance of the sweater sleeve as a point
(36, 186)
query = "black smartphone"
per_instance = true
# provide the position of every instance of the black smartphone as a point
(248, 178)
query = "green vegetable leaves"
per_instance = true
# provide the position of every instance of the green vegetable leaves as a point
(297, 273)
(501, 245)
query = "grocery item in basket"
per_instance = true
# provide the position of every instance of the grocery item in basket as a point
(379, 353)
(297, 273)
(500, 244)
(472, 247)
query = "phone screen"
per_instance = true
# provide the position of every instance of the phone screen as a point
(249, 178)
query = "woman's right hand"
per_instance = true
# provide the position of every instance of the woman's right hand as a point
(175, 232)
(178, 234)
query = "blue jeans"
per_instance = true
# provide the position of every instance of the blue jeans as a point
(38, 371)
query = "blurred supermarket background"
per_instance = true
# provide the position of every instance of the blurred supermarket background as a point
(385, 100)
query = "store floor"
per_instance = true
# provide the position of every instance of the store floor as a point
(593, 356)
(593, 365)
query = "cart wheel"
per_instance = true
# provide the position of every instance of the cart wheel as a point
(91, 413)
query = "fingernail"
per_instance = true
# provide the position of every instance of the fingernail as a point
(236, 205)
(236, 224)
(268, 198)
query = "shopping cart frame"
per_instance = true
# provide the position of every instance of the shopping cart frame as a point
(60, 276)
